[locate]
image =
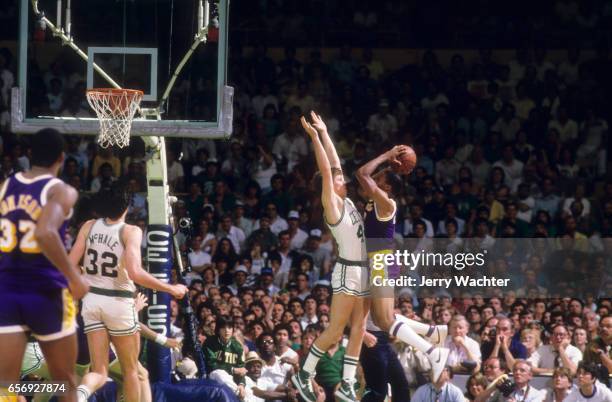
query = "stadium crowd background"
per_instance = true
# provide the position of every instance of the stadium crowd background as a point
(505, 150)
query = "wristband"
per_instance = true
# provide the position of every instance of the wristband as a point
(161, 339)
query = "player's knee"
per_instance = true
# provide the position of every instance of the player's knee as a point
(129, 372)
(143, 373)
(384, 323)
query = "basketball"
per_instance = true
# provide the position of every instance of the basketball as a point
(408, 161)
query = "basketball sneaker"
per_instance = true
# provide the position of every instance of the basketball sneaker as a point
(346, 392)
(438, 336)
(438, 358)
(303, 384)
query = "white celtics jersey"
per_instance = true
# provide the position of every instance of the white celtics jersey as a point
(103, 260)
(349, 234)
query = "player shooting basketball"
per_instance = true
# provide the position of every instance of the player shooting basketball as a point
(347, 307)
(35, 271)
(110, 249)
(380, 216)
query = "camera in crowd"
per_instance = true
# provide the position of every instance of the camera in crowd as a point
(185, 224)
(505, 385)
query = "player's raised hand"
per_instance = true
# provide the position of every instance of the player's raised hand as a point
(317, 122)
(393, 155)
(310, 130)
(178, 291)
(140, 301)
(78, 287)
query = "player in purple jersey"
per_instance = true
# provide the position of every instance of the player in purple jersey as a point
(379, 230)
(38, 283)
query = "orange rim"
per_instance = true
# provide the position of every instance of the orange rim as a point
(115, 91)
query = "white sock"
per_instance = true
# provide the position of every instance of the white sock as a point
(83, 393)
(312, 359)
(418, 327)
(407, 335)
(350, 368)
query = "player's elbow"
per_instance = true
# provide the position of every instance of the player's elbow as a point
(362, 177)
(44, 235)
(135, 274)
(360, 174)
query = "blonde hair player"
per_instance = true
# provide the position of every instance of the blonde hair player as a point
(110, 249)
(349, 278)
(380, 216)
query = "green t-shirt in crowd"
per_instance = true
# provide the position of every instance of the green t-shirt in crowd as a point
(329, 368)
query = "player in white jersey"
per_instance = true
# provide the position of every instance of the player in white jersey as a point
(349, 278)
(110, 249)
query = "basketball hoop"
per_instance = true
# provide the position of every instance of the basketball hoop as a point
(115, 109)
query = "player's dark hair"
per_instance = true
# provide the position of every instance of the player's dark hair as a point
(113, 202)
(47, 147)
(394, 181)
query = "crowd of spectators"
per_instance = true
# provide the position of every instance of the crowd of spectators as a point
(439, 23)
(516, 151)
(396, 23)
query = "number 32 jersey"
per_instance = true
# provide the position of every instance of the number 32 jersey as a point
(103, 260)
(22, 263)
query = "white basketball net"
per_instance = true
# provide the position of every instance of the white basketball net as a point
(115, 109)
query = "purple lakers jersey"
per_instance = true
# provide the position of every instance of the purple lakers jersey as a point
(379, 232)
(22, 263)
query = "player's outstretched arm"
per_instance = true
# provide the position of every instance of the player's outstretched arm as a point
(151, 335)
(328, 145)
(365, 176)
(331, 201)
(60, 200)
(132, 238)
(78, 248)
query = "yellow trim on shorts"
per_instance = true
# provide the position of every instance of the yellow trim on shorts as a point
(378, 273)
(69, 316)
(6, 396)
